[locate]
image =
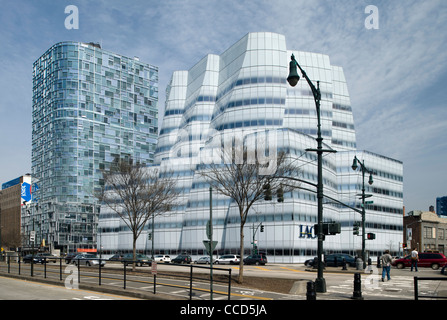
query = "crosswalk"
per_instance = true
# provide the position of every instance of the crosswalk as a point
(399, 287)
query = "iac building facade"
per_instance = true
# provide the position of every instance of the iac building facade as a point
(243, 92)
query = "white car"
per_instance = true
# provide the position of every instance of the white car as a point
(162, 258)
(228, 259)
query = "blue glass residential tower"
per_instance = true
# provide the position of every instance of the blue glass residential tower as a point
(90, 106)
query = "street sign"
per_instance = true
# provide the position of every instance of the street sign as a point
(32, 236)
(208, 247)
(154, 268)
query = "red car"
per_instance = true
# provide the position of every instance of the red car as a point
(426, 259)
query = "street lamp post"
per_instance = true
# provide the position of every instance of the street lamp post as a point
(363, 197)
(293, 78)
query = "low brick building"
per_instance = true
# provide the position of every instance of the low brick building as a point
(425, 231)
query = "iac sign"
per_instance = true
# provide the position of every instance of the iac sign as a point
(307, 232)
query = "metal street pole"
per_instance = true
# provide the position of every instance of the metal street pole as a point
(152, 237)
(320, 282)
(211, 242)
(363, 219)
(363, 197)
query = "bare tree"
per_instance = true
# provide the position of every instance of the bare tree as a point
(242, 177)
(136, 193)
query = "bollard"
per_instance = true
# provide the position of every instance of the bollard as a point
(359, 263)
(357, 294)
(344, 264)
(311, 293)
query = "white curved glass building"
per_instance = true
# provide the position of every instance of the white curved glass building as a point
(244, 92)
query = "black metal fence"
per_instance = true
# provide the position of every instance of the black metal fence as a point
(14, 265)
(416, 287)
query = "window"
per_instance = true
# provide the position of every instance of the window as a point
(441, 235)
(429, 233)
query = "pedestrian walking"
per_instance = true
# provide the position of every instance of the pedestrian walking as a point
(386, 265)
(414, 259)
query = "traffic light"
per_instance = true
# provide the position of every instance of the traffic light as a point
(280, 194)
(371, 236)
(334, 228)
(262, 228)
(267, 192)
(329, 228)
(356, 227)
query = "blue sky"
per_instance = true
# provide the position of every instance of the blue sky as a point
(396, 74)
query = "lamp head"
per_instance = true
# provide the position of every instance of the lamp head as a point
(370, 181)
(293, 77)
(354, 164)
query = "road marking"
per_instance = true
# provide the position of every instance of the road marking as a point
(294, 270)
(261, 268)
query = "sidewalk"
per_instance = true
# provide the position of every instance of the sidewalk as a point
(139, 294)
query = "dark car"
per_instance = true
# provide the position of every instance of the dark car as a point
(28, 258)
(116, 257)
(140, 259)
(256, 259)
(334, 260)
(182, 258)
(40, 258)
(426, 259)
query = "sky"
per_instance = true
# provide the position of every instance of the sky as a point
(396, 72)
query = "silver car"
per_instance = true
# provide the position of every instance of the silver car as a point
(204, 260)
(88, 260)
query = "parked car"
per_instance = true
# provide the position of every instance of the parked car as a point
(28, 258)
(47, 257)
(336, 259)
(228, 259)
(140, 259)
(40, 258)
(70, 256)
(204, 260)
(329, 260)
(116, 257)
(182, 258)
(88, 260)
(256, 259)
(426, 259)
(162, 258)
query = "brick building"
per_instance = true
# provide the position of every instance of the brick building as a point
(425, 231)
(10, 212)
